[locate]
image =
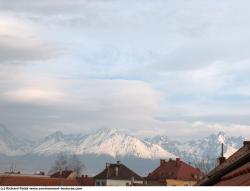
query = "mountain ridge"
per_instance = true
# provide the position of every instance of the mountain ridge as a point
(113, 142)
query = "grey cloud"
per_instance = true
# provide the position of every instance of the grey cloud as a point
(20, 41)
(97, 103)
(41, 7)
(11, 54)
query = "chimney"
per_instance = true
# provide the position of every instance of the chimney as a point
(222, 160)
(107, 165)
(178, 161)
(162, 161)
(246, 143)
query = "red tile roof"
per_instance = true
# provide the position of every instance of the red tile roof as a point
(238, 177)
(15, 180)
(175, 169)
(123, 173)
(232, 171)
(87, 181)
(242, 180)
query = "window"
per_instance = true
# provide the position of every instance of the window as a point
(97, 183)
(103, 183)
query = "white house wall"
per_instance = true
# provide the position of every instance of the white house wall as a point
(120, 182)
(116, 182)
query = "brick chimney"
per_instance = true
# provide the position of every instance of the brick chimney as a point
(162, 161)
(222, 160)
(178, 161)
(246, 143)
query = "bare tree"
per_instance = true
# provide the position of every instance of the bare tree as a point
(60, 164)
(76, 165)
(205, 164)
(64, 162)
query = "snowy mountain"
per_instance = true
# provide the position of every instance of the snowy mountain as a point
(11, 145)
(117, 143)
(58, 142)
(114, 143)
(208, 148)
(105, 141)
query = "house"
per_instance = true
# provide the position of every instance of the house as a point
(175, 173)
(69, 174)
(35, 180)
(234, 171)
(117, 175)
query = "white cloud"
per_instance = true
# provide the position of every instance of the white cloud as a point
(21, 41)
(33, 95)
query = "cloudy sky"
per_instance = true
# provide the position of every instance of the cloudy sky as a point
(147, 67)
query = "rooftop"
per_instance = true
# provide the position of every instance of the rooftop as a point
(118, 171)
(26, 180)
(175, 169)
(232, 170)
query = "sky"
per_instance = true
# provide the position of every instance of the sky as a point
(147, 67)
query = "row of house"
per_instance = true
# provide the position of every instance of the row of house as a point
(234, 171)
(171, 172)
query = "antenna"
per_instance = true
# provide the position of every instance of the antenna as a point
(11, 168)
(116, 156)
(222, 147)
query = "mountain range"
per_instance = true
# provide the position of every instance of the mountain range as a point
(117, 144)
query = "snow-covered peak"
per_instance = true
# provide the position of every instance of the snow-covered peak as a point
(106, 132)
(221, 139)
(206, 148)
(221, 133)
(158, 139)
(117, 143)
(58, 135)
(106, 141)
